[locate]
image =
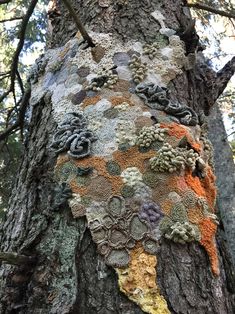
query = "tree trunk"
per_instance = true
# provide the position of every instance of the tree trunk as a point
(110, 227)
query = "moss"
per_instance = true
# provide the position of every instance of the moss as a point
(113, 168)
(127, 191)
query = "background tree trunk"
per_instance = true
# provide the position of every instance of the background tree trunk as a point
(225, 172)
(69, 275)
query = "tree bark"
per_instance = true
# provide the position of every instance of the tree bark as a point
(69, 275)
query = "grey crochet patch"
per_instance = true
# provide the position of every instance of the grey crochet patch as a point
(73, 136)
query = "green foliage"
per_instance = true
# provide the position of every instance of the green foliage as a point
(216, 33)
(34, 42)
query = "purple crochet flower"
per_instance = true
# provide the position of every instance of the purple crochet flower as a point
(151, 212)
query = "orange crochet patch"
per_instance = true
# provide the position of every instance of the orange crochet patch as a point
(179, 131)
(81, 190)
(194, 183)
(62, 158)
(173, 182)
(99, 164)
(118, 100)
(208, 229)
(203, 187)
(166, 207)
(133, 158)
(90, 101)
(208, 184)
(195, 215)
(181, 184)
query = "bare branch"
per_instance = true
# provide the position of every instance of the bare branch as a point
(208, 8)
(20, 82)
(230, 134)
(4, 95)
(16, 259)
(3, 76)
(223, 76)
(4, 73)
(20, 119)
(79, 24)
(14, 72)
(4, 1)
(20, 45)
(12, 19)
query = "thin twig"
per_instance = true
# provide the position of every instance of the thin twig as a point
(208, 8)
(79, 24)
(4, 95)
(20, 81)
(14, 72)
(5, 1)
(4, 73)
(15, 61)
(4, 76)
(223, 76)
(20, 119)
(230, 134)
(12, 19)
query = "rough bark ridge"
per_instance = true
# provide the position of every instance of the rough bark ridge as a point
(69, 275)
